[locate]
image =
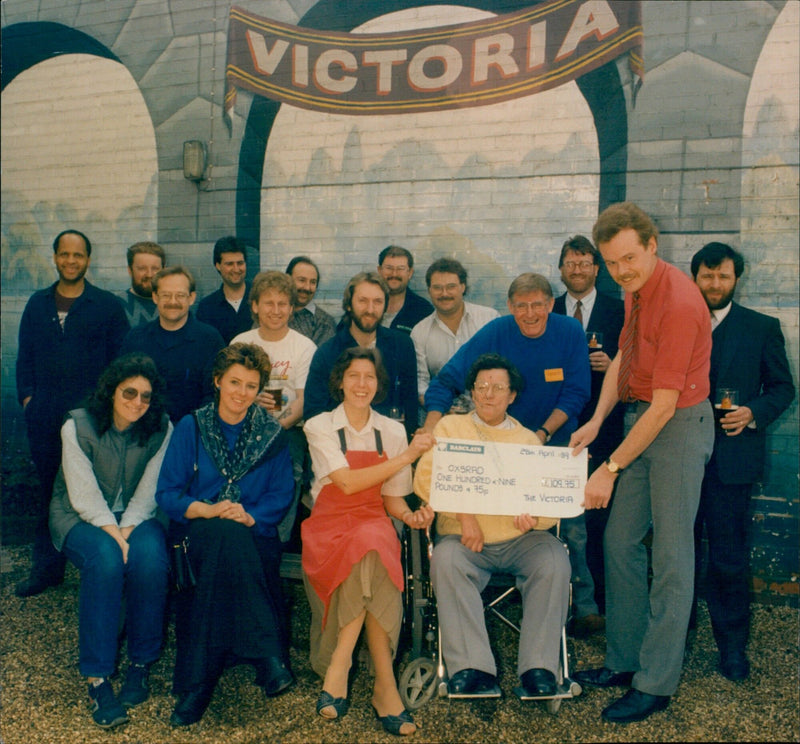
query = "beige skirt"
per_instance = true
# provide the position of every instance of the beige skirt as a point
(368, 587)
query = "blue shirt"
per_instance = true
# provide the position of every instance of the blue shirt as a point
(555, 367)
(266, 490)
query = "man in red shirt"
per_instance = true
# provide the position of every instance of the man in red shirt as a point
(661, 369)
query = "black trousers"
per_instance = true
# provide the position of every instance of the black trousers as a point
(724, 513)
(235, 613)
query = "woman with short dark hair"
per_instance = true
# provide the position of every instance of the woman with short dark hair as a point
(226, 484)
(351, 555)
(103, 518)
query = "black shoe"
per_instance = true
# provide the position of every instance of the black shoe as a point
(36, 584)
(634, 706)
(394, 724)
(191, 706)
(277, 677)
(538, 682)
(135, 689)
(603, 677)
(106, 710)
(734, 665)
(472, 682)
(340, 705)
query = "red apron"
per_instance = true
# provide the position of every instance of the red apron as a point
(342, 529)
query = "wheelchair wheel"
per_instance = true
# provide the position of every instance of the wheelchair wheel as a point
(418, 683)
(415, 596)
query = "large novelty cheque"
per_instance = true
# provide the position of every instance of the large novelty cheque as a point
(483, 477)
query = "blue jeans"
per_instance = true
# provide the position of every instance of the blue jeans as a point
(104, 579)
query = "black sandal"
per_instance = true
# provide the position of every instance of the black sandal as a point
(326, 700)
(393, 724)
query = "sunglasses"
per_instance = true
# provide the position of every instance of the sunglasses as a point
(131, 393)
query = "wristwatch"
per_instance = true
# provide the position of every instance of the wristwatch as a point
(547, 435)
(613, 467)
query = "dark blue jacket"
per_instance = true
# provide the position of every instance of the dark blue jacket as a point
(414, 309)
(184, 358)
(218, 312)
(399, 358)
(59, 367)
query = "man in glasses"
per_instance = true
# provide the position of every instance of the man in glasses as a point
(68, 334)
(472, 547)
(182, 347)
(601, 317)
(548, 350)
(405, 308)
(454, 321)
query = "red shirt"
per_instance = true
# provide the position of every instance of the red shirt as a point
(672, 350)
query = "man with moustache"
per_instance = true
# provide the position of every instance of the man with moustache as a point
(364, 303)
(182, 347)
(579, 264)
(437, 337)
(145, 260)
(748, 355)
(227, 309)
(68, 335)
(308, 318)
(662, 368)
(404, 308)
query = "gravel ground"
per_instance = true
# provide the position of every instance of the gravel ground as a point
(44, 697)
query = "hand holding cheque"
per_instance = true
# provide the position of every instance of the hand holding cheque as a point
(482, 477)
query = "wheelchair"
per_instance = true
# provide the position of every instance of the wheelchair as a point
(425, 674)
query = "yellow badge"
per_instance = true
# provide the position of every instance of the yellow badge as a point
(554, 375)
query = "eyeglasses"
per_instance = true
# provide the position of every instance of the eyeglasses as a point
(485, 387)
(131, 393)
(570, 265)
(444, 287)
(170, 296)
(522, 306)
(394, 269)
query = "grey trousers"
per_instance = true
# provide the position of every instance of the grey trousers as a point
(646, 628)
(542, 570)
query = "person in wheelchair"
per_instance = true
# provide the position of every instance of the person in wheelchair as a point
(471, 547)
(351, 552)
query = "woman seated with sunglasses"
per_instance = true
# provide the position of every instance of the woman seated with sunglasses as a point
(351, 554)
(102, 517)
(226, 483)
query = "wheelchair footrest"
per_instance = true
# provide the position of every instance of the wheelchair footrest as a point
(563, 692)
(496, 692)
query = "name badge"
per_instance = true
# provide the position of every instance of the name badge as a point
(554, 375)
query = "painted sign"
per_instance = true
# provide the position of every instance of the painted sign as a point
(448, 67)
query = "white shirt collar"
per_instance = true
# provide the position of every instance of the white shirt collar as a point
(340, 421)
(587, 303)
(722, 312)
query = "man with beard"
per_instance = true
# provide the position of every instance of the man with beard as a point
(227, 309)
(309, 319)
(182, 347)
(747, 355)
(68, 334)
(602, 315)
(145, 260)
(404, 308)
(364, 304)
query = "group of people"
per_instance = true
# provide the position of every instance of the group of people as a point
(155, 427)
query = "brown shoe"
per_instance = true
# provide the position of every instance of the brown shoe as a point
(588, 625)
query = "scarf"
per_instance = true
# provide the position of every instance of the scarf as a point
(256, 443)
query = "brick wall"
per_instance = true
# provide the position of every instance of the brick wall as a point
(711, 153)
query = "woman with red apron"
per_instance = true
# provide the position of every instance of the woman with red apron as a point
(351, 553)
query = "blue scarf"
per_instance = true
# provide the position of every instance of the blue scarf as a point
(259, 439)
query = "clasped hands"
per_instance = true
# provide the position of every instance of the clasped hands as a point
(231, 510)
